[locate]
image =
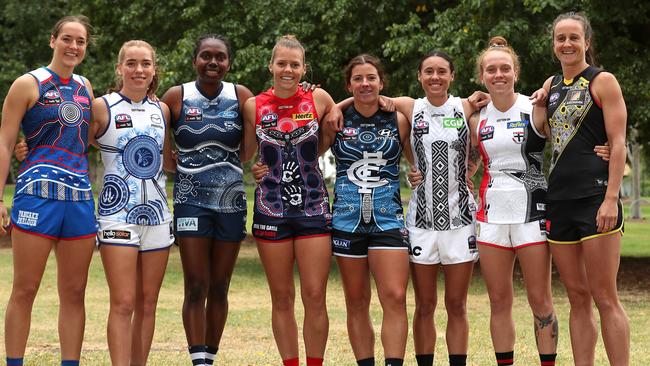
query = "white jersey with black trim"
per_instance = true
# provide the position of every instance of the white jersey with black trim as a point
(131, 149)
(513, 188)
(440, 141)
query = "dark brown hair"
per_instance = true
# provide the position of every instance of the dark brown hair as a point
(81, 19)
(590, 55)
(436, 53)
(361, 60)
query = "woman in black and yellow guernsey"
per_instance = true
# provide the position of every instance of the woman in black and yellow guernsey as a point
(586, 108)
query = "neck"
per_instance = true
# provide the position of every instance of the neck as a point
(284, 93)
(63, 72)
(504, 102)
(437, 100)
(570, 71)
(366, 109)
(209, 89)
(133, 95)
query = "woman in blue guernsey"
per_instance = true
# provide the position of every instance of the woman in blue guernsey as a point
(53, 204)
(209, 198)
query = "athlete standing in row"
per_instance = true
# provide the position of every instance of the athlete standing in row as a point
(292, 221)
(53, 205)
(585, 216)
(209, 197)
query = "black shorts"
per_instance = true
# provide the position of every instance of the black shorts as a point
(201, 222)
(267, 228)
(357, 244)
(574, 221)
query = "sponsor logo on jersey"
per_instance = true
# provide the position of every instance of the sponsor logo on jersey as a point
(269, 120)
(541, 206)
(116, 234)
(553, 98)
(268, 231)
(450, 122)
(285, 107)
(471, 244)
(486, 133)
(80, 99)
(187, 224)
(123, 120)
(27, 218)
(302, 116)
(420, 127)
(350, 133)
(227, 114)
(519, 137)
(52, 97)
(517, 124)
(415, 251)
(341, 243)
(542, 226)
(575, 97)
(601, 182)
(193, 114)
(156, 121)
(365, 172)
(385, 133)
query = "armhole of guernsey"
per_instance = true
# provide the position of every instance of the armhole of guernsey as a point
(110, 100)
(40, 74)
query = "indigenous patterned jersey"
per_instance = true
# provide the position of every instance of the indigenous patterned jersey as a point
(131, 148)
(208, 133)
(577, 125)
(56, 132)
(287, 132)
(367, 151)
(440, 141)
(513, 187)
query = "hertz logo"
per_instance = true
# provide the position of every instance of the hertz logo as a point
(302, 116)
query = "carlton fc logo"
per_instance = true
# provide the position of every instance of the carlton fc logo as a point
(365, 172)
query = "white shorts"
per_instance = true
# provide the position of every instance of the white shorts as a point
(443, 247)
(511, 236)
(145, 238)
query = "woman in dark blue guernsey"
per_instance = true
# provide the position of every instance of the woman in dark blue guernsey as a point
(53, 204)
(209, 198)
(368, 235)
(584, 212)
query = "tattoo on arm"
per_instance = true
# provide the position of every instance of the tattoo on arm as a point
(474, 155)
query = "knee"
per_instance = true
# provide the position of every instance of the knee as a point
(219, 292)
(540, 302)
(195, 292)
(579, 296)
(500, 304)
(605, 300)
(394, 298)
(283, 300)
(426, 306)
(149, 304)
(73, 293)
(358, 303)
(313, 298)
(123, 305)
(456, 307)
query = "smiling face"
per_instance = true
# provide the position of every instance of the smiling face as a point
(287, 67)
(569, 42)
(137, 68)
(498, 72)
(212, 60)
(69, 45)
(365, 84)
(435, 76)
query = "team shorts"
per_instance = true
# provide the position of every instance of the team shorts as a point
(143, 237)
(54, 219)
(267, 228)
(511, 236)
(193, 221)
(443, 247)
(356, 245)
(574, 221)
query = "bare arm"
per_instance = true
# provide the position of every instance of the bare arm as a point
(404, 128)
(169, 164)
(248, 145)
(243, 95)
(474, 154)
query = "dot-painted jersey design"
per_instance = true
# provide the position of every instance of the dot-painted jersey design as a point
(208, 133)
(577, 125)
(56, 132)
(513, 187)
(367, 196)
(287, 133)
(440, 140)
(131, 149)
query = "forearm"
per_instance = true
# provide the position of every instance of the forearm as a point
(5, 160)
(616, 169)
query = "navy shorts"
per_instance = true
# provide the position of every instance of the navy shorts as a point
(54, 219)
(574, 221)
(193, 221)
(356, 245)
(267, 228)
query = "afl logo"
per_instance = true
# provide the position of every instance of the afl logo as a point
(269, 120)
(349, 133)
(52, 97)
(553, 98)
(123, 120)
(420, 125)
(486, 133)
(193, 114)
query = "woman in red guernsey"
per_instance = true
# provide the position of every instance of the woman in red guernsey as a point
(292, 221)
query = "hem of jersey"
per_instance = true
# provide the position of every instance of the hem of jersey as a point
(496, 246)
(530, 244)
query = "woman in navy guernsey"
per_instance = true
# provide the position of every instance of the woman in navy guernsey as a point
(585, 217)
(53, 204)
(292, 221)
(209, 198)
(135, 222)
(368, 235)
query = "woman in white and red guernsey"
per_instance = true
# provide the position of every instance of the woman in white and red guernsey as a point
(292, 219)
(510, 220)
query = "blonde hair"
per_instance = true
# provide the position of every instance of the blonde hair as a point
(497, 43)
(119, 82)
(288, 41)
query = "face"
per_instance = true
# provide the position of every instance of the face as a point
(365, 83)
(137, 68)
(569, 43)
(287, 67)
(435, 76)
(498, 72)
(212, 62)
(70, 44)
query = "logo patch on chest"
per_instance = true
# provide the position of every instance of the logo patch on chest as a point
(193, 114)
(123, 120)
(486, 133)
(269, 120)
(575, 97)
(52, 97)
(449, 122)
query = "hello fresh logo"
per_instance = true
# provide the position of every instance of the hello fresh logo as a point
(452, 122)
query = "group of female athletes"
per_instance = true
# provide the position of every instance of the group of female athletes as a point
(216, 125)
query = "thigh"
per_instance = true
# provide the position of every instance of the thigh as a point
(535, 263)
(151, 271)
(277, 259)
(120, 267)
(73, 259)
(496, 268)
(355, 276)
(223, 257)
(195, 257)
(568, 259)
(313, 256)
(30, 253)
(390, 268)
(425, 281)
(601, 256)
(457, 279)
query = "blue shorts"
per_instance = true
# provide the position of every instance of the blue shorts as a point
(200, 222)
(267, 228)
(54, 219)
